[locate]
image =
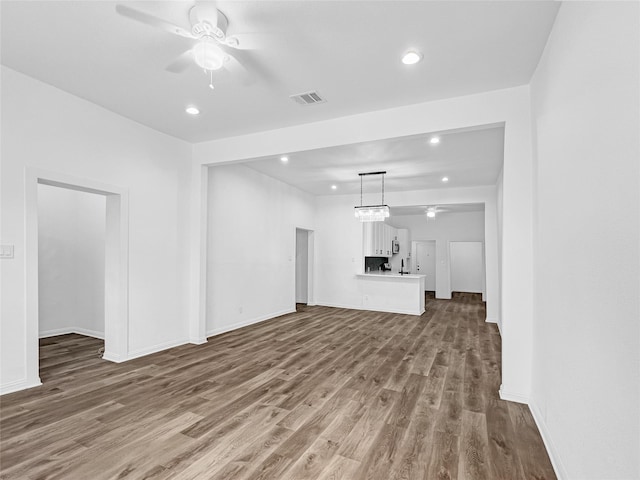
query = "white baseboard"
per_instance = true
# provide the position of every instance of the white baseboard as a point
(556, 461)
(491, 319)
(495, 320)
(89, 333)
(156, 348)
(68, 330)
(198, 341)
(517, 397)
(339, 305)
(18, 385)
(113, 357)
(246, 323)
(361, 307)
(55, 332)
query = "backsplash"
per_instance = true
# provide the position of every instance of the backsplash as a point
(373, 264)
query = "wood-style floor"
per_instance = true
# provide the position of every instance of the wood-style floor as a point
(323, 393)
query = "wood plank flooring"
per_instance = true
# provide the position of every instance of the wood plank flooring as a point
(323, 393)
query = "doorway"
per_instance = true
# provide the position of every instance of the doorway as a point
(425, 262)
(304, 267)
(116, 254)
(71, 254)
(71, 243)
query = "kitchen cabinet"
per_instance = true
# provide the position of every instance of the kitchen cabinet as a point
(378, 238)
(388, 237)
(369, 240)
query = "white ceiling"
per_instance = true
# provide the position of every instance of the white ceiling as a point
(349, 51)
(467, 158)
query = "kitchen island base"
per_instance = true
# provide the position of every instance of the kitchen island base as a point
(394, 293)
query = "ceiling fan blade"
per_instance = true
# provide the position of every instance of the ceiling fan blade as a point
(247, 41)
(181, 63)
(156, 22)
(248, 62)
(238, 71)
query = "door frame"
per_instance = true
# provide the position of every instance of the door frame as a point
(311, 298)
(116, 320)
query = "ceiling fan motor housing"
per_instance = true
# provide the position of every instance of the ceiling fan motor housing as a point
(205, 29)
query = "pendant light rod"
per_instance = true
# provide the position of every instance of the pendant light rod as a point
(372, 173)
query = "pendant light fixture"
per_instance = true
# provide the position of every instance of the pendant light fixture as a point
(372, 213)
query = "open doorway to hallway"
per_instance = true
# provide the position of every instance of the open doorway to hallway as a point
(71, 275)
(304, 268)
(115, 265)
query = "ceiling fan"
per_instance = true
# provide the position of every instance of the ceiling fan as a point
(212, 48)
(432, 210)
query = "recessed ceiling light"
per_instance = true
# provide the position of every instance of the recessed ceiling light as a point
(334, 187)
(191, 110)
(411, 57)
(445, 179)
(434, 140)
(284, 159)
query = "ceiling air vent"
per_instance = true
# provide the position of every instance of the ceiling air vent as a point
(307, 98)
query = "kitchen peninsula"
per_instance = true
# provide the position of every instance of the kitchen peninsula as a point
(392, 292)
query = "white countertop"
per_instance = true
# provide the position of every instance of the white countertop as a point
(389, 275)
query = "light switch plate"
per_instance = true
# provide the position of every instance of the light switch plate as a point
(6, 251)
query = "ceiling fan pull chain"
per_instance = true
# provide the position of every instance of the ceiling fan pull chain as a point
(211, 80)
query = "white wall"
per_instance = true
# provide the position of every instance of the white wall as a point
(251, 246)
(463, 226)
(586, 374)
(71, 255)
(45, 128)
(339, 252)
(467, 267)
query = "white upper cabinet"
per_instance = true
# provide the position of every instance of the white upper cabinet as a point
(378, 238)
(368, 240)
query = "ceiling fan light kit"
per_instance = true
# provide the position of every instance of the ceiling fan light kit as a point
(208, 55)
(433, 210)
(372, 213)
(411, 57)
